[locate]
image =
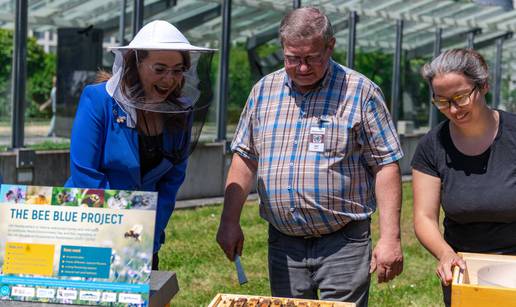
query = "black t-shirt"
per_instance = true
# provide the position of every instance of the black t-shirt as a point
(151, 152)
(478, 193)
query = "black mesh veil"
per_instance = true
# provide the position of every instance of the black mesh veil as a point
(172, 127)
(169, 128)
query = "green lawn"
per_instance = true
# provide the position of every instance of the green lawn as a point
(203, 271)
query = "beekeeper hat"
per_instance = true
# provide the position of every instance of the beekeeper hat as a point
(161, 35)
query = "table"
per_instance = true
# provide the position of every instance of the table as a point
(163, 287)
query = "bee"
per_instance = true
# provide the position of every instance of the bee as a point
(135, 232)
(92, 200)
(39, 199)
(65, 197)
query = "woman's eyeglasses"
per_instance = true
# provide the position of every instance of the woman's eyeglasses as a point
(162, 70)
(458, 100)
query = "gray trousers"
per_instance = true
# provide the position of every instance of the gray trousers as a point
(332, 267)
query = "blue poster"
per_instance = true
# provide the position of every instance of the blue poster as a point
(76, 246)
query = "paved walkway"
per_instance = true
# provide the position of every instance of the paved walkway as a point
(34, 133)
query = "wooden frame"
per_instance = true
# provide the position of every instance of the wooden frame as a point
(466, 290)
(226, 300)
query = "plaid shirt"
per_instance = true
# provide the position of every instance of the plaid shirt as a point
(305, 192)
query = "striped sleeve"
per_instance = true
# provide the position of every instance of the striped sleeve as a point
(243, 142)
(379, 137)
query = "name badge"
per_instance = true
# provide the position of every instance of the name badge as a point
(316, 139)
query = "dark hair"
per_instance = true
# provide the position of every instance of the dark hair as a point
(305, 23)
(130, 78)
(464, 61)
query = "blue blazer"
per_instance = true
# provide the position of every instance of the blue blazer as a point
(104, 154)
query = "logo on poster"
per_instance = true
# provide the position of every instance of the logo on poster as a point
(4, 291)
(66, 294)
(45, 293)
(109, 297)
(89, 295)
(129, 298)
(23, 291)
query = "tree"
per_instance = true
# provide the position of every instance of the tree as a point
(41, 67)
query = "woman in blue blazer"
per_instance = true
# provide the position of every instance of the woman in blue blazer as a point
(133, 131)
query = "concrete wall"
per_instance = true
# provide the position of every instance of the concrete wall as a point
(408, 144)
(206, 173)
(51, 167)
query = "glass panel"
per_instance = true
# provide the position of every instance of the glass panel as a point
(6, 47)
(508, 100)
(375, 46)
(489, 54)
(376, 43)
(247, 21)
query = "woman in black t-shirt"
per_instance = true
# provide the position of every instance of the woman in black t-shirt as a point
(466, 164)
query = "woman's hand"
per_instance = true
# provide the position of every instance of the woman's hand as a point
(445, 267)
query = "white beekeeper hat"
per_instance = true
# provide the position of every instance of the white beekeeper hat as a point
(161, 35)
(156, 35)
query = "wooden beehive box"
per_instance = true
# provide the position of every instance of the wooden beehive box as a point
(489, 280)
(241, 300)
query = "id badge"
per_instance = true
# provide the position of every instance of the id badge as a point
(316, 139)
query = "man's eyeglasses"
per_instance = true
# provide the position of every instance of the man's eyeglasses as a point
(308, 60)
(458, 100)
(162, 70)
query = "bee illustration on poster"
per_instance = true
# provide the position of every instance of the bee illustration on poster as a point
(13, 193)
(39, 195)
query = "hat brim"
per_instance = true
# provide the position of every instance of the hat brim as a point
(165, 46)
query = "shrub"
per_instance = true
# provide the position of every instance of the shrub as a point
(41, 67)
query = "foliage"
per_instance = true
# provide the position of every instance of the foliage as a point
(508, 99)
(418, 90)
(41, 67)
(376, 65)
(40, 85)
(203, 270)
(240, 80)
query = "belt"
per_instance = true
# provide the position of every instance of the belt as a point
(350, 224)
(314, 236)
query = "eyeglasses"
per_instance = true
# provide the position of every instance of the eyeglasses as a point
(458, 100)
(308, 60)
(162, 70)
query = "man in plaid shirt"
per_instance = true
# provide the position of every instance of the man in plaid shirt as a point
(320, 141)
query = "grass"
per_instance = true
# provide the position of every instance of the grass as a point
(203, 270)
(51, 145)
(34, 131)
(45, 145)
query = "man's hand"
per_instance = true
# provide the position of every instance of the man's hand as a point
(240, 179)
(387, 260)
(231, 239)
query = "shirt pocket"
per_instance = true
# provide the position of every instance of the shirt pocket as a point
(337, 137)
